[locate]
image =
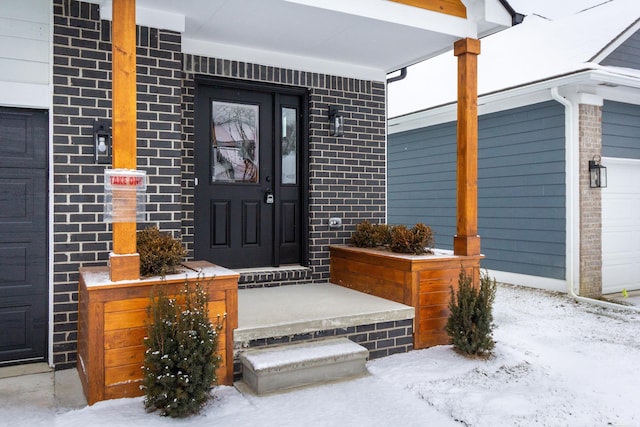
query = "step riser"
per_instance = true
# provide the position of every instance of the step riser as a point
(381, 339)
(276, 277)
(298, 365)
(303, 377)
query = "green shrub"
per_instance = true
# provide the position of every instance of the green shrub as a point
(180, 361)
(160, 253)
(470, 324)
(411, 241)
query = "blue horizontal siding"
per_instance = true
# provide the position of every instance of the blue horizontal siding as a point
(627, 54)
(521, 186)
(621, 130)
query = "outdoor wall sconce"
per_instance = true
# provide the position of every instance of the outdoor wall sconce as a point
(597, 173)
(336, 121)
(102, 141)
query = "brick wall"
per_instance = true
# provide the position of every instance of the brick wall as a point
(590, 125)
(347, 174)
(82, 93)
(290, 275)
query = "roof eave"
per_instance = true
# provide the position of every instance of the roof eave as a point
(592, 76)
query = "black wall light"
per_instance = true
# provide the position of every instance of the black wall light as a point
(336, 121)
(597, 173)
(102, 141)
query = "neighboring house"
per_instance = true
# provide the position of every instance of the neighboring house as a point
(552, 96)
(233, 101)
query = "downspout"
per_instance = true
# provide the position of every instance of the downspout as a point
(572, 237)
(401, 76)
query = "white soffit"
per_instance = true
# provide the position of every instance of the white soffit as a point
(386, 11)
(148, 16)
(356, 38)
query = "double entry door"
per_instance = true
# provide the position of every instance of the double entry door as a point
(250, 174)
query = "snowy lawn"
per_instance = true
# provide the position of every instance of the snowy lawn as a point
(556, 363)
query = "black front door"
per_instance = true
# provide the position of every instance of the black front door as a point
(249, 175)
(23, 235)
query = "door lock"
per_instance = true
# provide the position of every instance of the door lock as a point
(268, 197)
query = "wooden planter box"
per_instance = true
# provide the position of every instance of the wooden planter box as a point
(111, 325)
(420, 281)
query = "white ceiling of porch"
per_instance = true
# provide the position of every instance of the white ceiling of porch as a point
(359, 38)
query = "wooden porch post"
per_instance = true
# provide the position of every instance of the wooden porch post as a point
(124, 260)
(466, 242)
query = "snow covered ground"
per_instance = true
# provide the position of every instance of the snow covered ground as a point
(556, 363)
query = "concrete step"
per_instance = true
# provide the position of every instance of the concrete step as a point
(295, 365)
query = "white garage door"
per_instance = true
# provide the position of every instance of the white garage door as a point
(621, 226)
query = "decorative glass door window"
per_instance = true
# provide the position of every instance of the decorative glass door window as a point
(289, 146)
(234, 142)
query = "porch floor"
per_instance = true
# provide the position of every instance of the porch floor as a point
(299, 309)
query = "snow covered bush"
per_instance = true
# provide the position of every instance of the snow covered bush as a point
(180, 361)
(470, 324)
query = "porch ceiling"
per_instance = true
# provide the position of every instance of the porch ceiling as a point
(358, 38)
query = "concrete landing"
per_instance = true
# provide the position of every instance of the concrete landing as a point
(41, 391)
(299, 309)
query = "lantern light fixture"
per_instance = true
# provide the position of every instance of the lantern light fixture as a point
(597, 173)
(102, 141)
(336, 121)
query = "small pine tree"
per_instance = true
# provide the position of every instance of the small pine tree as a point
(470, 324)
(180, 361)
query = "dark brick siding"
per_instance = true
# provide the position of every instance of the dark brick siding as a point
(347, 174)
(82, 93)
(274, 278)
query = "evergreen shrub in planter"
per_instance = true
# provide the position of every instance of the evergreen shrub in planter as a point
(396, 263)
(470, 324)
(180, 361)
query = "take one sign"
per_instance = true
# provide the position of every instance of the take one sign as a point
(125, 179)
(125, 195)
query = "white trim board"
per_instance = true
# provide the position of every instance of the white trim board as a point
(25, 95)
(537, 282)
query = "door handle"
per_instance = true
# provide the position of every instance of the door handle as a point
(268, 197)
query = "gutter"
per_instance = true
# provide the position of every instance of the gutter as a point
(401, 76)
(573, 238)
(516, 18)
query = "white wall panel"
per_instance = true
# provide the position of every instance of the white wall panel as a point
(25, 52)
